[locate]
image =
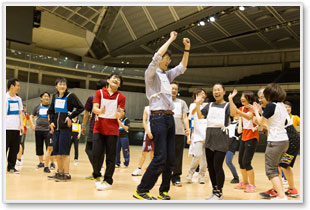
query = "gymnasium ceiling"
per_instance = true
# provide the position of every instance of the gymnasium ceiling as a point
(139, 30)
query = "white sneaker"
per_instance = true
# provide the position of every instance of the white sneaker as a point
(100, 186)
(210, 196)
(76, 162)
(285, 182)
(216, 197)
(201, 179)
(279, 199)
(196, 174)
(189, 178)
(137, 172)
(19, 163)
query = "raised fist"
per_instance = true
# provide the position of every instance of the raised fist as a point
(187, 43)
(173, 35)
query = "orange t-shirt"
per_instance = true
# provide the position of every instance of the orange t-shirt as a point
(248, 134)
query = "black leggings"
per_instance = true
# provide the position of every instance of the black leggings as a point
(75, 141)
(215, 160)
(246, 153)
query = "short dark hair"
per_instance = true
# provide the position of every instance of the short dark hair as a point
(288, 103)
(42, 94)
(274, 93)
(61, 79)
(220, 85)
(12, 81)
(101, 84)
(249, 95)
(175, 83)
(117, 76)
(196, 92)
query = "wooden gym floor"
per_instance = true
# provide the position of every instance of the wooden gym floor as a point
(32, 184)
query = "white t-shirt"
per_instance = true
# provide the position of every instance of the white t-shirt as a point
(200, 125)
(12, 121)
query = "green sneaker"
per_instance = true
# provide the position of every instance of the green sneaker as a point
(164, 196)
(143, 196)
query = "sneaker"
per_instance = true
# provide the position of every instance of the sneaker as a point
(143, 196)
(55, 176)
(164, 196)
(209, 197)
(292, 193)
(250, 188)
(235, 180)
(177, 183)
(52, 166)
(40, 165)
(278, 199)
(90, 177)
(201, 179)
(14, 171)
(196, 174)
(76, 162)
(117, 166)
(137, 172)
(103, 185)
(241, 186)
(123, 165)
(269, 194)
(189, 178)
(216, 196)
(46, 170)
(63, 178)
(19, 163)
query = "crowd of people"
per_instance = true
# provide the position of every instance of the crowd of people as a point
(214, 131)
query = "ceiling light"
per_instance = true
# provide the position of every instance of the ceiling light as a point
(202, 23)
(241, 8)
(122, 62)
(277, 26)
(289, 24)
(212, 19)
(127, 62)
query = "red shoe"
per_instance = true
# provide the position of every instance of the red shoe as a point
(269, 194)
(292, 193)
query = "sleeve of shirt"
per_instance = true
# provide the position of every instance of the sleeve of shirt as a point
(176, 71)
(97, 98)
(79, 108)
(51, 110)
(269, 110)
(127, 122)
(122, 101)
(21, 108)
(184, 107)
(89, 104)
(191, 107)
(35, 111)
(296, 121)
(151, 69)
(205, 110)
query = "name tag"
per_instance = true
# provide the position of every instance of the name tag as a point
(75, 127)
(60, 103)
(13, 107)
(43, 112)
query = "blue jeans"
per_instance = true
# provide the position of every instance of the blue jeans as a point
(229, 157)
(163, 130)
(122, 142)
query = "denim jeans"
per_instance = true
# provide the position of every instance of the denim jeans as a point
(122, 143)
(163, 130)
(229, 163)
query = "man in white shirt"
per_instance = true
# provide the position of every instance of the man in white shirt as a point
(13, 123)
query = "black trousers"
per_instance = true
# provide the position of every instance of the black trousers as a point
(12, 143)
(215, 160)
(179, 147)
(104, 144)
(75, 141)
(246, 153)
(41, 137)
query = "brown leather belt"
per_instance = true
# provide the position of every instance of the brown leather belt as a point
(169, 112)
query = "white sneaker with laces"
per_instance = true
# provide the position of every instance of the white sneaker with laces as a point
(215, 197)
(201, 179)
(196, 174)
(189, 178)
(106, 186)
(19, 163)
(137, 172)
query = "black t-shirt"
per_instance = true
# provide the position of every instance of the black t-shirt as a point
(122, 132)
(269, 110)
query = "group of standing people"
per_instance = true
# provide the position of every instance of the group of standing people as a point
(168, 123)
